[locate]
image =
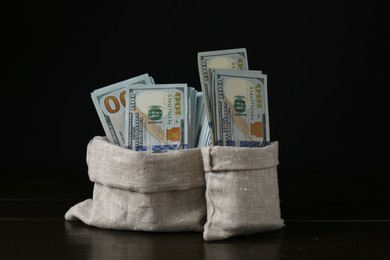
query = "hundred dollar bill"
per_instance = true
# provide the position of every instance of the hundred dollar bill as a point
(205, 134)
(200, 114)
(241, 106)
(156, 117)
(214, 96)
(191, 104)
(110, 104)
(235, 59)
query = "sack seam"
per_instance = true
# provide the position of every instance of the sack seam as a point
(209, 222)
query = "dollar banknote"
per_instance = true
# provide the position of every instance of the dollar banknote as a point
(241, 106)
(156, 117)
(235, 59)
(204, 138)
(200, 114)
(110, 104)
(192, 103)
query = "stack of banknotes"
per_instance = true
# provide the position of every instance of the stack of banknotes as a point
(230, 110)
(236, 99)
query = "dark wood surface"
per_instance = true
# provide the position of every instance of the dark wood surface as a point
(59, 239)
(32, 226)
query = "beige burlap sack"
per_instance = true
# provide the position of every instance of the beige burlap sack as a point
(242, 191)
(142, 190)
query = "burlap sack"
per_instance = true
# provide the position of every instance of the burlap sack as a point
(142, 190)
(242, 191)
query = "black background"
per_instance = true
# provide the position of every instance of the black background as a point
(327, 67)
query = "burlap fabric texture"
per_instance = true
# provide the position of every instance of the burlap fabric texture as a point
(235, 188)
(143, 191)
(242, 192)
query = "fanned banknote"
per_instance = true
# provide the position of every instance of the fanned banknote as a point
(235, 59)
(156, 117)
(110, 104)
(241, 106)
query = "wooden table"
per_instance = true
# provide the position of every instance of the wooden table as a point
(32, 226)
